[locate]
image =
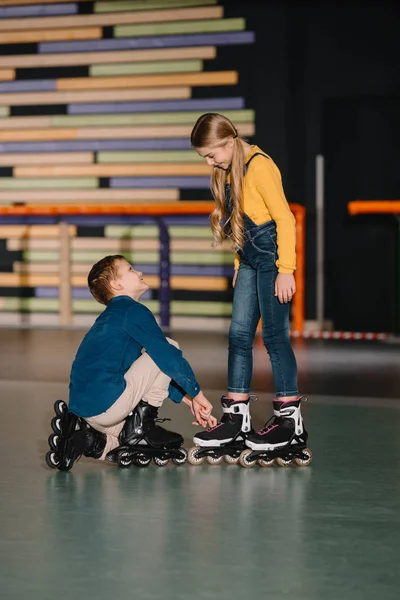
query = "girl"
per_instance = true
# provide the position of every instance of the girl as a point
(251, 210)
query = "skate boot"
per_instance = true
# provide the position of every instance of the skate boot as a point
(72, 437)
(227, 438)
(141, 440)
(283, 438)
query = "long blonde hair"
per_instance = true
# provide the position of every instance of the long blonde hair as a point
(213, 130)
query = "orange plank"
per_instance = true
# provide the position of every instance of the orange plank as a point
(111, 95)
(106, 170)
(119, 18)
(92, 58)
(195, 79)
(47, 35)
(359, 207)
(25, 122)
(178, 208)
(46, 158)
(26, 135)
(7, 74)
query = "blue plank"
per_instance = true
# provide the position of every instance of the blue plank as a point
(78, 293)
(164, 41)
(97, 145)
(206, 104)
(38, 10)
(160, 182)
(28, 85)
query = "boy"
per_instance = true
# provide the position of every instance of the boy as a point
(125, 361)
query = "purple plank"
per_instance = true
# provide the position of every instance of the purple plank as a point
(78, 293)
(34, 85)
(206, 104)
(165, 41)
(39, 10)
(189, 270)
(98, 145)
(160, 182)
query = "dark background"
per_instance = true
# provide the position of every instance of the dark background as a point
(324, 79)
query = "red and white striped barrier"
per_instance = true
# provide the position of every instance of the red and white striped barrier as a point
(339, 335)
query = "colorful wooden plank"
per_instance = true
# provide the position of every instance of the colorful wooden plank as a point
(186, 27)
(45, 35)
(94, 170)
(198, 104)
(90, 58)
(118, 5)
(145, 68)
(105, 95)
(68, 158)
(87, 196)
(155, 156)
(8, 183)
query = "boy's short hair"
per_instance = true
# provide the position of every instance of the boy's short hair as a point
(100, 276)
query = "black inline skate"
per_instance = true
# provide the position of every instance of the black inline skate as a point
(142, 440)
(283, 439)
(227, 438)
(71, 438)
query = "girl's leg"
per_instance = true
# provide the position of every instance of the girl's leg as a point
(245, 317)
(275, 333)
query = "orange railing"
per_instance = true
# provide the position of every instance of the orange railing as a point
(154, 209)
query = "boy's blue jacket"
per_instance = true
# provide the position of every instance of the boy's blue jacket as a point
(110, 347)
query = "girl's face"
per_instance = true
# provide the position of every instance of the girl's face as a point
(218, 156)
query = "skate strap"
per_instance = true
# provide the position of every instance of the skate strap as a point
(238, 408)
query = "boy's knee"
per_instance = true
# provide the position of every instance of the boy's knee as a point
(173, 342)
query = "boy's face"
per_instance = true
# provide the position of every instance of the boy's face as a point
(131, 281)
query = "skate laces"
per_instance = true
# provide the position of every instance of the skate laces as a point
(270, 424)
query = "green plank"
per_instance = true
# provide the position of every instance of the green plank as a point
(168, 118)
(134, 231)
(190, 231)
(150, 258)
(215, 309)
(9, 183)
(52, 305)
(4, 112)
(153, 156)
(125, 5)
(201, 26)
(146, 68)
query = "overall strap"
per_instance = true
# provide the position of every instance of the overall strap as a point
(246, 166)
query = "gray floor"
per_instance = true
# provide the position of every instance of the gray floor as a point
(331, 530)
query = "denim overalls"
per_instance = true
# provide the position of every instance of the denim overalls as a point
(254, 297)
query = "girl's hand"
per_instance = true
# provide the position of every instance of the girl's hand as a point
(285, 287)
(235, 277)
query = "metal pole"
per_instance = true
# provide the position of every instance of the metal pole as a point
(164, 274)
(319, 207)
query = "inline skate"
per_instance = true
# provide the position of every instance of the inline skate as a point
(71, 438)
(141, 440)
(227, 439)
(283, 439)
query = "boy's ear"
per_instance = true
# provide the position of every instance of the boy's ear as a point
(116, 285)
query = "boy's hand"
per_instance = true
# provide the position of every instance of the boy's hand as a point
(201, 409)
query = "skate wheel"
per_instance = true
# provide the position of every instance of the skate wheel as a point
(124, 460)
(60, 408)
(181, 461)
(142, 460)
(283, 462)
(266, 463)
(193, 457)
(53, 441)
(244, 461)
(304, 462)
(231, 460)
(56, 424)
(160, 462)
(52, 460)
(215, 460)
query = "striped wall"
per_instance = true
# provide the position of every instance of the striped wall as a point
(97, 101)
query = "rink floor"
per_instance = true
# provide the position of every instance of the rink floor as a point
(328, 531)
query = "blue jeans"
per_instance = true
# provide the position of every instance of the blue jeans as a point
(254, 298)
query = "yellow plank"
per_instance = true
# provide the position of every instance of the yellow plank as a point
(32, 231)
(25, 122)
(51, 35)
(51, 280)
(68, 158)
(107, 170)
(110, 95)
(193, 79)
(7, 74)
(88, 133)
(145, 16)
(97, 196)
(93, 58)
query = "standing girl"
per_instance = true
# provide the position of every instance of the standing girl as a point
(251, 210)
